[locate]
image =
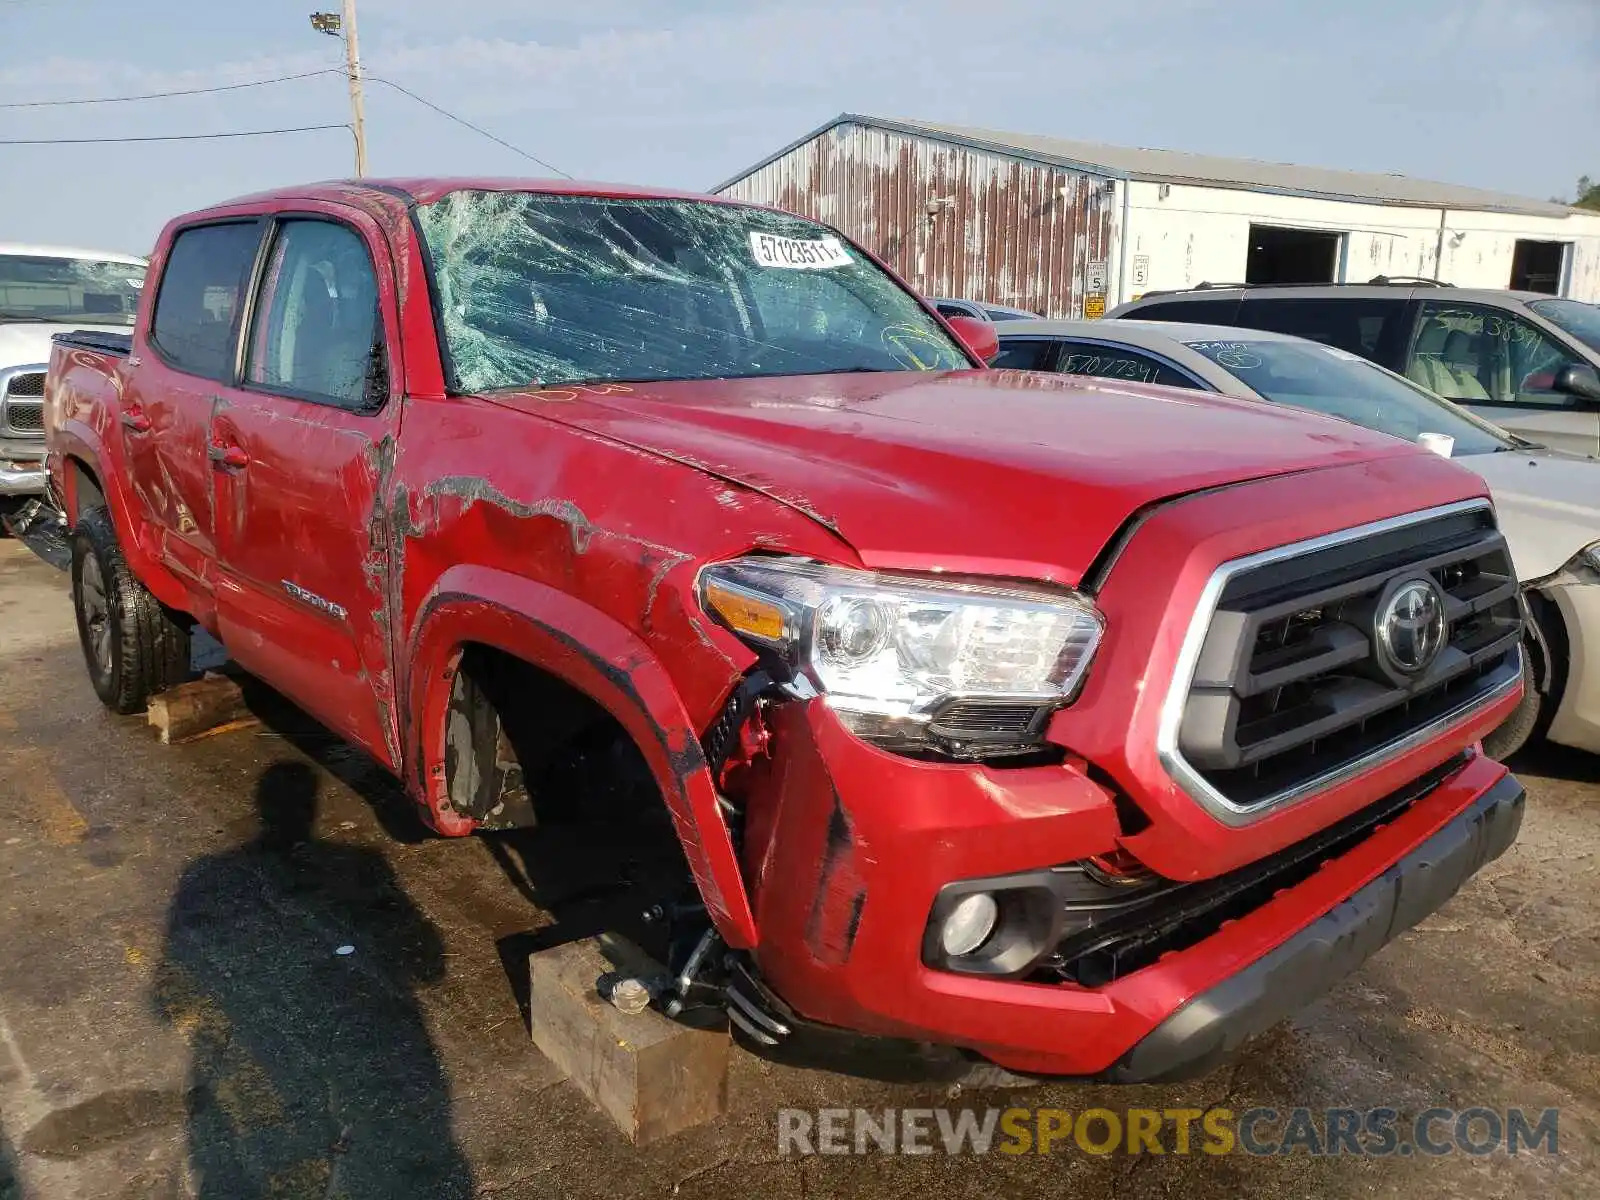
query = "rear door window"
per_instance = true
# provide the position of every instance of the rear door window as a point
(1372, 328)
(1024, 354)
(202, 294)
(1118, 362)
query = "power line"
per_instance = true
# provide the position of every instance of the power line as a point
(169, 137)
(463, 121)
(226, 87)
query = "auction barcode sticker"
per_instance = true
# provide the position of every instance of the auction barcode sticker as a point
(801, 254)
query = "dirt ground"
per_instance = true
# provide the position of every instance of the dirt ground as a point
(176, 1020)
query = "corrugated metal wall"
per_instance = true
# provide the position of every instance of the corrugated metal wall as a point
(1016, 233)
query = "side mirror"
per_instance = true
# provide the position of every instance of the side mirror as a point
(1577, 379)
(977, 336)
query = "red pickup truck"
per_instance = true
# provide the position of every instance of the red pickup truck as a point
(1083, 726)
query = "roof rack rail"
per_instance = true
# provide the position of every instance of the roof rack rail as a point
(1407, 281)
(1375, 281)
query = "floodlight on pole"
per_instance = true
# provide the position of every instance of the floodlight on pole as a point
(344, 25)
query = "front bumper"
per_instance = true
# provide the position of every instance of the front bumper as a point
(1577, 719)
(856, 845)
(1210, 1027)
(22, 471)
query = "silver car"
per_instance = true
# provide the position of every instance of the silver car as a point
(1548, 501)
(1526, 361)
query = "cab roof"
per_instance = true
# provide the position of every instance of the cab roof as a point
(427, 189)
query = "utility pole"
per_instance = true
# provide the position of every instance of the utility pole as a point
(358, 118)
(336, 25)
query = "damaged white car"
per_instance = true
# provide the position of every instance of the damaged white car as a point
(1548, 501)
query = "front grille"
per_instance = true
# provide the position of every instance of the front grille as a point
(24, 418)
(1291, 686)
(21, 403)
(31, 384)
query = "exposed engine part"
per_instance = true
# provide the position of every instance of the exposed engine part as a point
(698, 958)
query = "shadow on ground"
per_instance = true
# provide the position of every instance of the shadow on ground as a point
(290, 966)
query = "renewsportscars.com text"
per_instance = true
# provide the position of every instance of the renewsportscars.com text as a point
(1372, 1132)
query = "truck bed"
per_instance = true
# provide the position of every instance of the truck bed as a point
(93, 339)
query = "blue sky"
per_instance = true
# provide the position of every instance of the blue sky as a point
(1503, 94)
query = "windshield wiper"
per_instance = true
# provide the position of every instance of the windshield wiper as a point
(31, 318)
(1520, 443)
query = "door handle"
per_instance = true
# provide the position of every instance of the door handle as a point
(232, 457)
(134, 421)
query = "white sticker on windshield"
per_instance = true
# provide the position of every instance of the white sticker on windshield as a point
(799, 254)
(135, 284)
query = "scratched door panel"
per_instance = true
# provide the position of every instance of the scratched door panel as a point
(297, 450)
(297, 599)
(186, 357)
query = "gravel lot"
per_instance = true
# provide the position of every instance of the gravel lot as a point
(175, 1020)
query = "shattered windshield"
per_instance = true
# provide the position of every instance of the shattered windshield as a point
(49, 288)
(540, 290)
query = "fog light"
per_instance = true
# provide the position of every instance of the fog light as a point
(969, 924)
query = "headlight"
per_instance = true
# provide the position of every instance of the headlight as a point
(898, 655)
(1591, 556)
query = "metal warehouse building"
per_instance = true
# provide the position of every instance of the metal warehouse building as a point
(1070, 228)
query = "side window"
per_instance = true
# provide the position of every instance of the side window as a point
(1206, 312)
(1117, 362)
(1481, 355)
(202, 293)
(955, 310)
(1023, 354)
(1368, 327)
(317, 334)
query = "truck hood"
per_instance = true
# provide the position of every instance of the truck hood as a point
(983, 472)
(1548, 503)
(27, 343)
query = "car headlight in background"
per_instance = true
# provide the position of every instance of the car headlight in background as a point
(966, 668)
(1591, 556)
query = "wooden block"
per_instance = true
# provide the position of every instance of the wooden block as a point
(191, 708)
(652, 1076)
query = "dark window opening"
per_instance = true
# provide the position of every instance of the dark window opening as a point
(1536, 267)
(1291, 256)
(1371, 328)
(1023, 354)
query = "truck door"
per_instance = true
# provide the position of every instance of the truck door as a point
(185, 362)
(297, 450)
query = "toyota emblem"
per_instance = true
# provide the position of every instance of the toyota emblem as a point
(1411, 626)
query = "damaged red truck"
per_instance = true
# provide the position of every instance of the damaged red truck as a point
(1084, 727)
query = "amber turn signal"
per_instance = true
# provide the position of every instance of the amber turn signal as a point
(745, 613)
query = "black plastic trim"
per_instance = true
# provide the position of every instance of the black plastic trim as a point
(1214, 1024)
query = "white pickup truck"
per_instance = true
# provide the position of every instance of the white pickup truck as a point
(45, 290)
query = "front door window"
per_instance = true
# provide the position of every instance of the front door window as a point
(1474, 354)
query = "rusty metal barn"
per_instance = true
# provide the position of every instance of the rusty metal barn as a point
(951, 219)
(1071, 229)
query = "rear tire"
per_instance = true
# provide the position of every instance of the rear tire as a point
(1518, 729)
(132, 646)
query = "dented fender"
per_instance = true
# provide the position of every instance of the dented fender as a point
(80, 442)
(595, 654)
